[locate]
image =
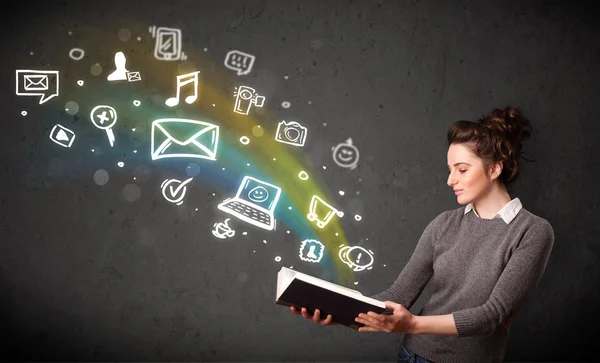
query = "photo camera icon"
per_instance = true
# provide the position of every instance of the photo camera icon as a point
(291, 133)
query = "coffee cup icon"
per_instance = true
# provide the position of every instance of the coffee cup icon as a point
(222, 230)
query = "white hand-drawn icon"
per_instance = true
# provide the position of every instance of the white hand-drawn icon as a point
(356, 257)
(311, 250)
(321, 212)
(62, 135)
(76, 54)
(177, 137)
(303, 175)
(239, 61)
(168, 43)
(245, 97)
(37, 83)
(120, 72)
(133, 76)
(174, 195)
(346, 155)
(291, 133)
(254, 202)
(104, 117)
(182, 81)
(222, 230)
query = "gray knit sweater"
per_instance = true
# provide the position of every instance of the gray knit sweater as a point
(483, 271)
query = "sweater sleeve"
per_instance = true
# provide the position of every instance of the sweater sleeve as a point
(418, 271)
(516, 284)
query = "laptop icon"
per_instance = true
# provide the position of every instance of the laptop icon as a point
(254, 203)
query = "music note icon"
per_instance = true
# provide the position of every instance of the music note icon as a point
(182, 81)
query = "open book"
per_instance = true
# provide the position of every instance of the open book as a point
(301, 290)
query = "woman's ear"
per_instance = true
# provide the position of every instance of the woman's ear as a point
(496, 170)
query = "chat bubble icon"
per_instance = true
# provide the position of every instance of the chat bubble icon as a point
(37, 83)
(239, 61)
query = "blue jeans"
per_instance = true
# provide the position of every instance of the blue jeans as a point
(405, 355)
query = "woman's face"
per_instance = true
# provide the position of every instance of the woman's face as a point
(467, 175)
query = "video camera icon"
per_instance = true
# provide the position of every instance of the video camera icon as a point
(321, 212)
(245, 97)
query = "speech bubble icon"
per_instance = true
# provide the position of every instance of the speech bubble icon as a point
(239, 61)
(37, 83)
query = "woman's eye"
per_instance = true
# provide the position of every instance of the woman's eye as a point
(462, 171)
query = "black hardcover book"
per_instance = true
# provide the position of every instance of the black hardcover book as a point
(300, 290)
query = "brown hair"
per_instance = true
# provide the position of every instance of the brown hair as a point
(495, 138)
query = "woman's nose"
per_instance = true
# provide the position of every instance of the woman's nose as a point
(450, 180)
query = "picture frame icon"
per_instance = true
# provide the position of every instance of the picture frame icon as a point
(62, 136)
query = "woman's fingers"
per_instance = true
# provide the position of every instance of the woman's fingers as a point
(316, 317)
(306, 314)
(328, 320)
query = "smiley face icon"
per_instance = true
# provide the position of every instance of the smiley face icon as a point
(346, 155)
(258, 194)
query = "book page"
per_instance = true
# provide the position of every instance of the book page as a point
(285, 276)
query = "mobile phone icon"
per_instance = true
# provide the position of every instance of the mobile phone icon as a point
(168, 43)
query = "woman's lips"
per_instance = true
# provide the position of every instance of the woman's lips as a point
(457, 192)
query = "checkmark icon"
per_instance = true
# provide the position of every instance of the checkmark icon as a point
(174, 195)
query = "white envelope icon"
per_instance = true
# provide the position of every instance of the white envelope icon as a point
(36, 82)
(133, 76)
(178, 137)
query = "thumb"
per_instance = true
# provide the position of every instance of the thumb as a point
(391, 305)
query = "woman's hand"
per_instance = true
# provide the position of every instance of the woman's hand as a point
(316, 317)
(401, 321)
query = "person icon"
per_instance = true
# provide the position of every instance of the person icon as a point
(120, 72)
(311, 252)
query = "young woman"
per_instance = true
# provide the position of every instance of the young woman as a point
(484, 259)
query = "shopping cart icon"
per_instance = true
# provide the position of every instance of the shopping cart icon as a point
(321, 212)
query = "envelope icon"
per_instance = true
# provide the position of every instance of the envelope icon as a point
(133, 76)
(183, 138)
(36, 82)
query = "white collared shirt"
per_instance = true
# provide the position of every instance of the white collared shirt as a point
(507, 213)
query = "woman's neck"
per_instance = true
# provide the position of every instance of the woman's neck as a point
(488, 205)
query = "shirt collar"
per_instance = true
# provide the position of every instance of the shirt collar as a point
(507, 213)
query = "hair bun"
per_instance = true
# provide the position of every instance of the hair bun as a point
(510, 123)
(495, 138)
